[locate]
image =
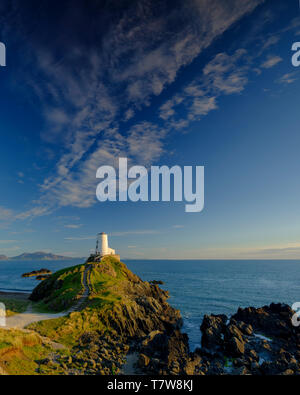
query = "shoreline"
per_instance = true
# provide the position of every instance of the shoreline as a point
(251, 341)
(15, 293)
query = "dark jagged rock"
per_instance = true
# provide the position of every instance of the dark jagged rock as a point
(256, 341)
(144, 361)
(235, 347)
(121, 309)
(273, 320)
(36, 273)
(124, 314)
(167, 353)
(213, 328)
(43, 277)
(155, 282)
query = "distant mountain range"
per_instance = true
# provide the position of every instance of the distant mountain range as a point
(36, 256)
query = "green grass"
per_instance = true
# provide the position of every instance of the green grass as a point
(61, 291)
(20, 352)
(14, 305)
(105, 282)
(103, 285)
(67, 330)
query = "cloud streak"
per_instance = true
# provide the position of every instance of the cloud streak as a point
(71, 226)
(271, 62)
(223, 75)
(6, 213)
(90, 88)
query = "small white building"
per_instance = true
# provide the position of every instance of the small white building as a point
(102, 246)
(102, 249)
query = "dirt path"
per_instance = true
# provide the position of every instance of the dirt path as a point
(85, 294)
(20, 321)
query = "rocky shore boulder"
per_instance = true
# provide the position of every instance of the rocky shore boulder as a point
(35, 273)
(165, 353)
(273, 320)
(213, 328)
(124, 315)
(120, 309)
(255, 341)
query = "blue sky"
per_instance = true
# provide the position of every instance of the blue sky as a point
(191, 82)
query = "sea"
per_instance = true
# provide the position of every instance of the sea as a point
(195, 287)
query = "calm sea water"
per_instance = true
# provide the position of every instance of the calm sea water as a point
(196, 287)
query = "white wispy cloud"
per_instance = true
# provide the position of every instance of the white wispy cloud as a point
(288, 78)
(38, 211)
(73, 226)
(223, 75)
(86, 93)
(9, 250)
(83, 238)
(158, 55)
(136, 232)
(270, 41)
(117, 234)
(6, 213)
(287, 251)
(271, 61)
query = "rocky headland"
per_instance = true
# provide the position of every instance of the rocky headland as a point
(42, 273)
(254, 341)
(114, 317)
(39, 256)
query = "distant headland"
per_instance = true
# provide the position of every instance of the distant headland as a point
(37, 256)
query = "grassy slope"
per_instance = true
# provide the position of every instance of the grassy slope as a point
(105, 289)
(61, 290)
(105, 284)
(19, 352)
(14, 305)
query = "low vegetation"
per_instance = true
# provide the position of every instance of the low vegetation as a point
(14, 305)
(61, 291)
(37, 273)
(105, 281)
(117, 308)
(20, 352)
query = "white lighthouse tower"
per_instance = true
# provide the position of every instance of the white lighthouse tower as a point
(102, 248)
(104, 244)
